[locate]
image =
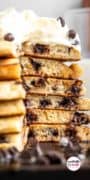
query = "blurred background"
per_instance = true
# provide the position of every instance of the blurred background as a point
(52, 8)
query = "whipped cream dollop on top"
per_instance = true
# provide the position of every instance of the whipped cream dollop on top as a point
(16, 23)
(27, 26)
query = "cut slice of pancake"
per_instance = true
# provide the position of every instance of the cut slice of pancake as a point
(34, 101)
(10, 90)
(51, 51)
(49, 68)
(53, 86)
(54, 133)
(13, 124)
(11, 108)
(39, 116)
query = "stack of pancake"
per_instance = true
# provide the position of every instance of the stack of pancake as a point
(54, 99)
(12, 110)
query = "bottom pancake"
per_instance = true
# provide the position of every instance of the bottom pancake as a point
(54, 133)
(14, 140)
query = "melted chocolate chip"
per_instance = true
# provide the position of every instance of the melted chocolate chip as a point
(33, 82)
(80, 118)
(40, 48)
(27, 103)
(54, 88)
(39, 83)
(75, 90)
(31, 117)
(75, 42)
(69, 49)
(62, 21)
(44, 103)
(31, 133)
(3, 139)
(67, 102)
(71, 34)
(35, 64)
(9, 37)
(53, 131)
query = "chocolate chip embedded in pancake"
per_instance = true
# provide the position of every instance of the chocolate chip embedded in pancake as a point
(70, 132)
(76, 87)
(35, 64)
(67, 102)
(53, 131)
(80, 118)
(44, 103)
(3, 139)
(40, 48)
(39, 83)
(31, 117)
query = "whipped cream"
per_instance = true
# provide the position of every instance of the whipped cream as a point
(27, 26)
(16, 23)
(49, 30)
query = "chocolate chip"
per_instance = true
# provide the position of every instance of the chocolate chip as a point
(44, 103)
(53, 131)
(62, 21)
(71, 34)
(54, 157)
(67, 102)
(39, 83)
(31, 133)
(33, 82)
(80, 118)
(27, 103)
(75, 42)
(9, 37)
(40, 48)
(54, 88)
(75, 90)
(35, 64)
(3, 139)
(69, 49)
(31, 117)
